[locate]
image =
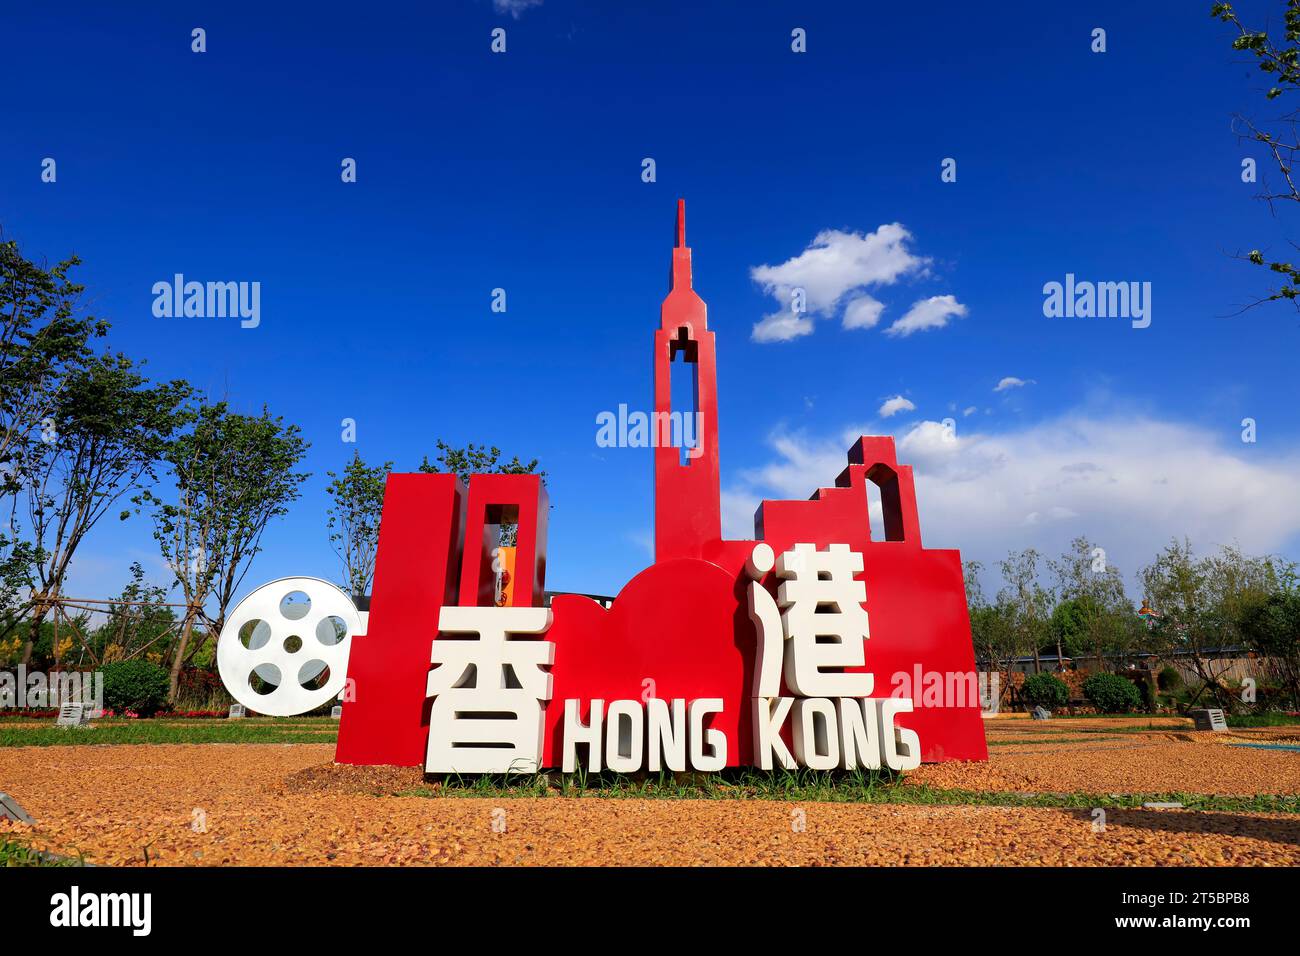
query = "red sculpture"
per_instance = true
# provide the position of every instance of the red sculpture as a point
(679, 630)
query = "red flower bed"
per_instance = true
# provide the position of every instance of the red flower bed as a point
(30, 713)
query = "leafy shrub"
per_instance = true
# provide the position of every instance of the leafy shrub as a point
(136, 686)
(1169, 678)
(201, 689)
(1045, 689)
(1112, 694)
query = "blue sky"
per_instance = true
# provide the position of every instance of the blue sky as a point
(522, 171)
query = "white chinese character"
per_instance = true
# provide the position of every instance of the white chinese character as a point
(819, 598)
(488, 690)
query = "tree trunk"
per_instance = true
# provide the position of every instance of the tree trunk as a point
(34, 631)
(1210, 682)
(173, 684)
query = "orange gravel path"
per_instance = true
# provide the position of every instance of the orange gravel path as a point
(112, 803)
(1024, 756)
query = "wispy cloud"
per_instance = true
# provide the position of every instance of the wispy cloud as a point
(862, 312)
(931, 313)
(514, 7)
(893, 406)
(1011, 381)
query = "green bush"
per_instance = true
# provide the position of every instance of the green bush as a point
(136, 686)
(1112, 694)
(1045, 689)
(1169, 679)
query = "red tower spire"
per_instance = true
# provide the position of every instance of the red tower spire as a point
(687, 512)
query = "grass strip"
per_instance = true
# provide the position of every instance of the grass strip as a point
(15, 852)
(820, 786)
(1043, 740)
(1262, 720)
(1269, 719)
(151, 732)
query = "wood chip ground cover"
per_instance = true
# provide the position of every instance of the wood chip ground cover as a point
(252, 804)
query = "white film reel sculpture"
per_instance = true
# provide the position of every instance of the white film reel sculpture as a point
(284, 649)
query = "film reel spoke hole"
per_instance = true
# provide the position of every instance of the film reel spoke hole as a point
(331, 630)
(292, 644)
(255, 634)
(295, 605)
(264, 679)
(313, 675)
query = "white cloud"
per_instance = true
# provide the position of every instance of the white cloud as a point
(931, 313)
(895, 405)
(862, 312)
(835, 264)
(1011, 381)
(1129, 484)
(782, 327)
(514, 7)
(968, 411)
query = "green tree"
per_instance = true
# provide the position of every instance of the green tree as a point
(107, 432)
(1028, 603)
(1094, 605)
(1271, 628)
(138, 623)
(1278, 58)
(233, 475)
(1067, 626)
(970, 572)
(479, 460)
(356, 502)
(17, 573)
(43, 336)
(1200, 603)
(996, 641)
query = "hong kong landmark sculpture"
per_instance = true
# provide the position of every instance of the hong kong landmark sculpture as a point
(823, 642)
